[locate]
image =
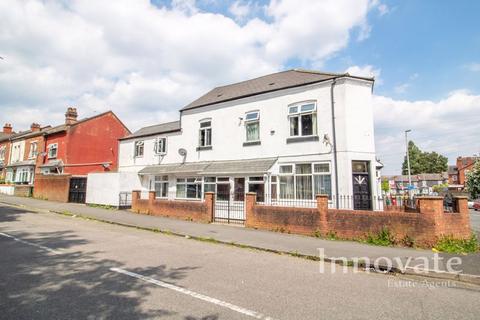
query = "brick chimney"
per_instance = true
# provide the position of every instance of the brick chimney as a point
(71, 116)
(35, 127)
(7, 128)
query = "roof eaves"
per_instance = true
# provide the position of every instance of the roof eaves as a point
(148, 134)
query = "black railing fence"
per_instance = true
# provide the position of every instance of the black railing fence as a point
(125, 200)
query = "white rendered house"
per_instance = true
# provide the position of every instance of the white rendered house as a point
(288, 135)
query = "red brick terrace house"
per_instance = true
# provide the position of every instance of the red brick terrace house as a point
(74, 149)
(464, 164)
(5, 148)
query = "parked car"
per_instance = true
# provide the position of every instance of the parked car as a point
(470, 204)
(476, 205)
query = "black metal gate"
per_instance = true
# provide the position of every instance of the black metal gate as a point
(78, 190)
(229, 206)
(125, 200)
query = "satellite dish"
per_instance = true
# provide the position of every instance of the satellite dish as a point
(182, 152)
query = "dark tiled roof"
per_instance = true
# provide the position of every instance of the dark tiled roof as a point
(248, 166)
(5, 136)
(452, 170)
(29, 133)
(272, 82)
(156, 129)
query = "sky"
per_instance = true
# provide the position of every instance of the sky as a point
(147, 59)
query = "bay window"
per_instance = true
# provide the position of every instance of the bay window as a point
(161, 186)
(303, 119)
(304, 181)
(252, 126)
(189, 188)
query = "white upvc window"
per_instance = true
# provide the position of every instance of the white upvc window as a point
(3, 150)
(252, 126)
(139, 148)
(304, 180)
(52, 150)
(33, 150)
(160, 146)
(303, 119)
(189, 188)
(161, 186)
(205, 133)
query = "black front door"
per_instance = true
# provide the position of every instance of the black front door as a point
(362, 196)
(78, 190)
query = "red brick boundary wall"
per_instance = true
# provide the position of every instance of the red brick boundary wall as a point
(52, 187)
(22, 191)
(199, 211)
(424, 226)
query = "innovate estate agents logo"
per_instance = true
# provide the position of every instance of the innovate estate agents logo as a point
(419, 265)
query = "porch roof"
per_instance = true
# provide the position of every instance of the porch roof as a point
(27, 163)
(52, 164)
(249, 166)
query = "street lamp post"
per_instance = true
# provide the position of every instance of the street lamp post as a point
(408, 163)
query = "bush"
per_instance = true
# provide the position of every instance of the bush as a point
(451, 245)
(382, 238)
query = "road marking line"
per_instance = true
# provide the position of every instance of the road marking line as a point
(193, 294)
(30, 243)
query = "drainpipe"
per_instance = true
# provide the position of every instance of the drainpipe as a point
(334, 141)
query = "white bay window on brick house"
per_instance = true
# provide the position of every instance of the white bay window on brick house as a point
(303, 119)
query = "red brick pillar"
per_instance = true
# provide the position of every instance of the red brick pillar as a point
(135, 198)
(462, 209)
(322, 206)
(250, 202)
(432, 215)
(210, 205)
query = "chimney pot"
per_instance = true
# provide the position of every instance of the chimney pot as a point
(71, 116)
(35, 127)
(7, 128)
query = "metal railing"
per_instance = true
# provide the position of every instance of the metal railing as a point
(125, 200)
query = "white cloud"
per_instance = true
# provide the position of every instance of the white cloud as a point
(475, 67)
(382, 9)
(449, 126)
(240, 10)
(145, 62)
(365, 71)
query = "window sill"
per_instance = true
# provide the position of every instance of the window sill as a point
(204, 148)
(251, 143)
(302, 139)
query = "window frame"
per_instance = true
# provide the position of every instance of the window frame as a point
(164, 185)
(294, 174)
(3, 152)
(252, 121)
(298, 113)
(156, 145)
(32, 155)
(197, 181)
(207, 129)
(135, 149)
(49, 148)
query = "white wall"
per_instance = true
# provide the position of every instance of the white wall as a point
(7, 189)
(104, 188)
(354, 129)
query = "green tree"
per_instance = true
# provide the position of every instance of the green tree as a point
(473, 181)
(424, 162)
(385, 186)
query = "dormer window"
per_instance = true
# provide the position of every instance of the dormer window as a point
(205, 135)
(160, 146)
(139, 147)
(52, 151)
(252, 126)
(303, 119)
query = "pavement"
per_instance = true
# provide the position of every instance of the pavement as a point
(429, 262)
(61, 267)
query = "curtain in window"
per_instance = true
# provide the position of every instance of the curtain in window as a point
(286, 187)
(323, 185)
(293, 126)
(253, 133)
(304, 187)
